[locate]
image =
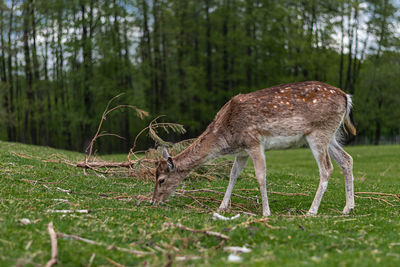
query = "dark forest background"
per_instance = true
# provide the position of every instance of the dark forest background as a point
(62, 61)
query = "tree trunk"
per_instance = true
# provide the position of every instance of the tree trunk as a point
(225, 55)
(341, 47)
(29, 123)
(86, 39)
(157, 57)
(249, 50)
(12, 130)
(350, 53)
(147, 58)
(181, 12)
(208, 47)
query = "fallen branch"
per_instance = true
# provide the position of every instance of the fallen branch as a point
(217, 216)
(397, 196)
(140, 197)
(68, 211)
(206, 232)
(125, 164)
(288, 194)
(274, 193)
(213, 191)
(91, 260)
(78, 238)
(106, 164)
(264, 220)
(377, 198)
(114, 262)
(53, 239)
(197, 201)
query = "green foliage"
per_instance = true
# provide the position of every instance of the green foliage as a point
(377, 103)
(33, 179)
(62, 61)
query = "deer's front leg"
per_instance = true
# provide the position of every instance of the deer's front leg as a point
(238, 165)
(258, 156)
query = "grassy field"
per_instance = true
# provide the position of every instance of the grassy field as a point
(33, 184)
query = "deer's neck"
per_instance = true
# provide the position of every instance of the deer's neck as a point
(206, 147)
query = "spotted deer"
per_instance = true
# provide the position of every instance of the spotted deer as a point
(279, 117)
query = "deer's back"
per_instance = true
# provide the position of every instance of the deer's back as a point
(285, 111)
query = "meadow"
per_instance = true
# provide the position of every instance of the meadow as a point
(108, 220)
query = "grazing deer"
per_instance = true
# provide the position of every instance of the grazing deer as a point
(279, 117)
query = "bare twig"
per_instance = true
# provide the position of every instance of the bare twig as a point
(288, 194)
(53, 239)
(377, 198)
(206, 232)
(264, 220)
(78, 238)
(91, 260)
(153, 125)
(141, 114)
(140, 197)
(114, 262)
(213, 191)
(397, 196)
(125, 164)
(68, 211)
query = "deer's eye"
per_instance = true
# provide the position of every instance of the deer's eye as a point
(161, 181)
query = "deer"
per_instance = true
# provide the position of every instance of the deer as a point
(280, 117)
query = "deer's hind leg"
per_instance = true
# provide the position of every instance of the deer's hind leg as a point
(319, 146)
(238, 165)
(345, 162)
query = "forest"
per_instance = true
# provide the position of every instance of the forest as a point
(62, 61)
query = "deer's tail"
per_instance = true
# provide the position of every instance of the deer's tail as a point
(347, 120)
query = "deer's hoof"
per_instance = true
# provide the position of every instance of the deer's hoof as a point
(348, 209)
(222, 209)
(311, 214)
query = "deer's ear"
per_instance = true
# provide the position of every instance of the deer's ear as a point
(165, 153)
(171, 165)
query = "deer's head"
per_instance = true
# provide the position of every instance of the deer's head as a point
(167, 178)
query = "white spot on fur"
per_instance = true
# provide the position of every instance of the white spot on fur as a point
(332, 91)
(315, 101)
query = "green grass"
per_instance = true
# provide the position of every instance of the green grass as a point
(368, 237)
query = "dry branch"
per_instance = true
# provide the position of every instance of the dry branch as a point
(397, 196)
(140, 197)
(53, 239)
(264, 220)
(213, 191)
(206, 232)
(114, 262)
(377, 198)
(91, 165)
(91, 259)
(288, 194)
(141, 114)
(78, 238)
